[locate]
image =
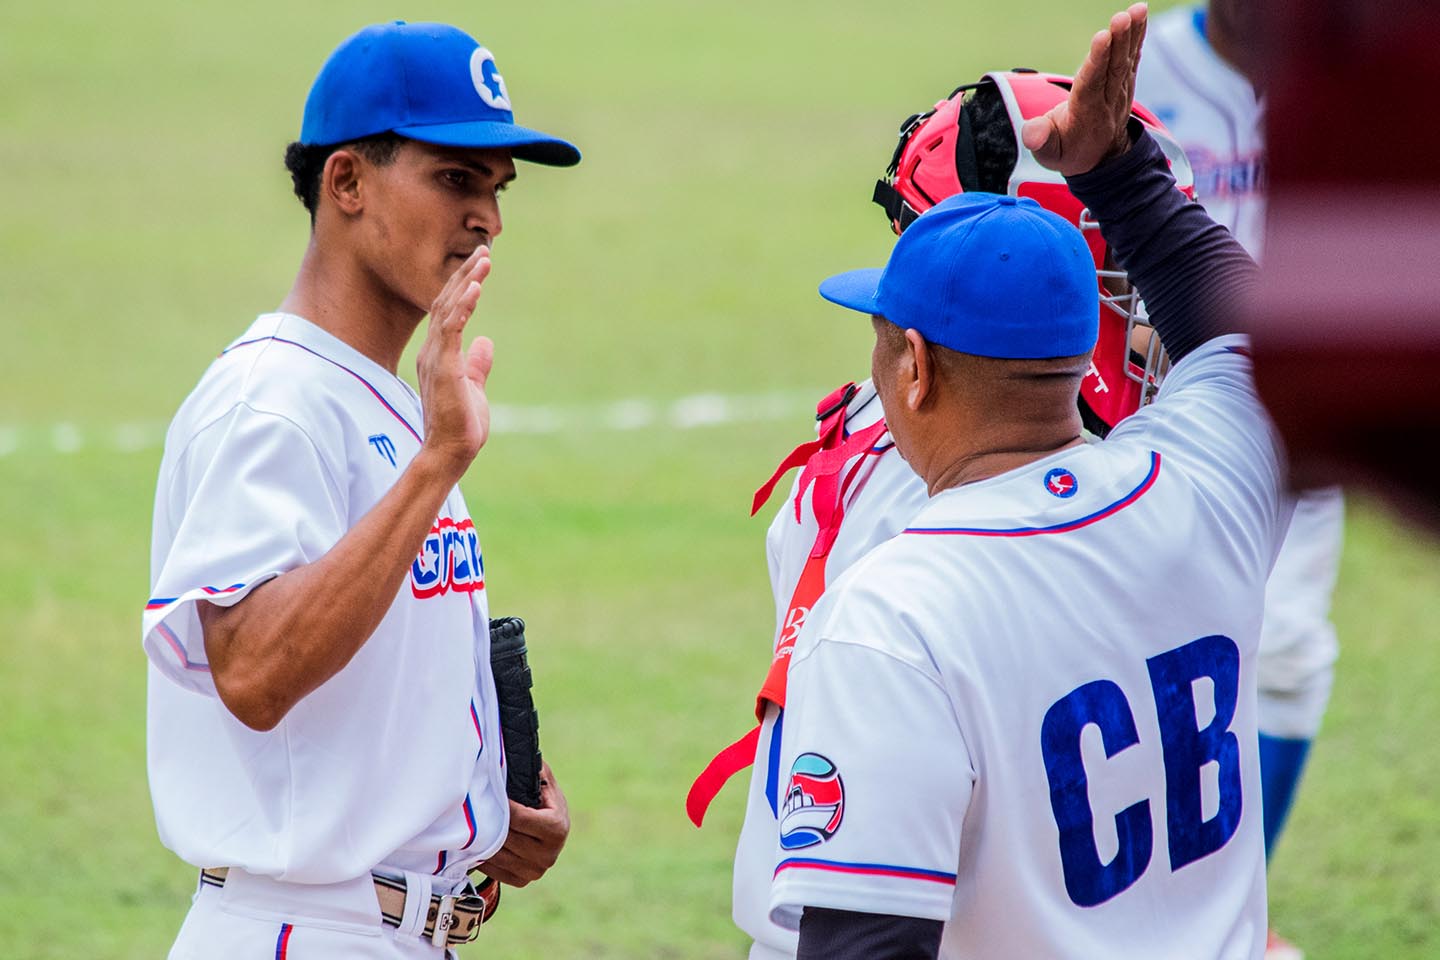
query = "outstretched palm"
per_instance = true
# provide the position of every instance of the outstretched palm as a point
(452, 379)
(1089, 127)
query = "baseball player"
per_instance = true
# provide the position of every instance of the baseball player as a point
(323, 734)
(1199, 75)
(994, 744)
(970, 141)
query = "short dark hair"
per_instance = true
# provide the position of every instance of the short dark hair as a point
(996, 150)
(306, 162)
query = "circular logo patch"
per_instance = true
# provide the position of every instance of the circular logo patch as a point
(814, 802)
(1061, 483)
(488, 82)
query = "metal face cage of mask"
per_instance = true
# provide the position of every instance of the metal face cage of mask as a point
(1147, 362)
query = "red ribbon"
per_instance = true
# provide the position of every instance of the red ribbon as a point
(823, 459)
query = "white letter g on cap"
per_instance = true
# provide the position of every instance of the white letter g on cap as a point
(488, 82)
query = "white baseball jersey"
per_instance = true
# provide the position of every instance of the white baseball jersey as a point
(1032, 713)
(880, 498)
(1213, 112)
(289, 439)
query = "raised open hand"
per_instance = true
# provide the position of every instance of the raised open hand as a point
(1090, 127)
(452, 379)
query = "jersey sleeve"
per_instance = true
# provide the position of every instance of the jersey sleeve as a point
(876, 777)
(1208, 418)
(247, 499)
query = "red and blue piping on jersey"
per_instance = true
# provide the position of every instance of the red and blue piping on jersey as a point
(469, 822)
(160, 603)
(475, 719)
(385, 403)
(1066, 527)
(179, 650)
(467, 808)
(442, 858)
(282, 942)
(866, 869)
(168, 635)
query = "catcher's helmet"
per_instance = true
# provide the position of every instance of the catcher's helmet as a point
(937, 157)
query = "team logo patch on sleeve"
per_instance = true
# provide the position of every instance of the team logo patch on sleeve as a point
(1061, 483)
(814, 802)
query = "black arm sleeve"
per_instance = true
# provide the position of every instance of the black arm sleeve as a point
(1192, 274)
(847, 935)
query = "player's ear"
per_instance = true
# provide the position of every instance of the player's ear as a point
(340, 181)
(917, 370)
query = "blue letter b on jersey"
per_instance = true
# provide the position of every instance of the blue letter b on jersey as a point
(1189, 749)
(1088, 881)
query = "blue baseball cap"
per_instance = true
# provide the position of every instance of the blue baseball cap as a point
(426, 81)
(988, 275)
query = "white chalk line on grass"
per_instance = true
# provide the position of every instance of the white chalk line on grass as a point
(694, 412)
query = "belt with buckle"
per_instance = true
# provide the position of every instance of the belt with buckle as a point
(451, 919)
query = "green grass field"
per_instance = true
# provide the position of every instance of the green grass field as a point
(730, 149)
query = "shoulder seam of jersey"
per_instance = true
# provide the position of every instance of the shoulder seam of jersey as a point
(235, 406)
(934, 681)
(374, 391)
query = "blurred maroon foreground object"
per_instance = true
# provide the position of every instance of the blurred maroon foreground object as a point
(1347, 326)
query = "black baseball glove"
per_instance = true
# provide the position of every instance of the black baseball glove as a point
(519, 722)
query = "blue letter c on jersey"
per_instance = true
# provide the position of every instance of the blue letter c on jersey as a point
(1088, 881)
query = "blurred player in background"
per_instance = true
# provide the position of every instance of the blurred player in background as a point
(1200, 75)
(943, 793)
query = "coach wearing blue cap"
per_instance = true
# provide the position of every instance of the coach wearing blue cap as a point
(1006, 291)
(995, 744)
(325, 737)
